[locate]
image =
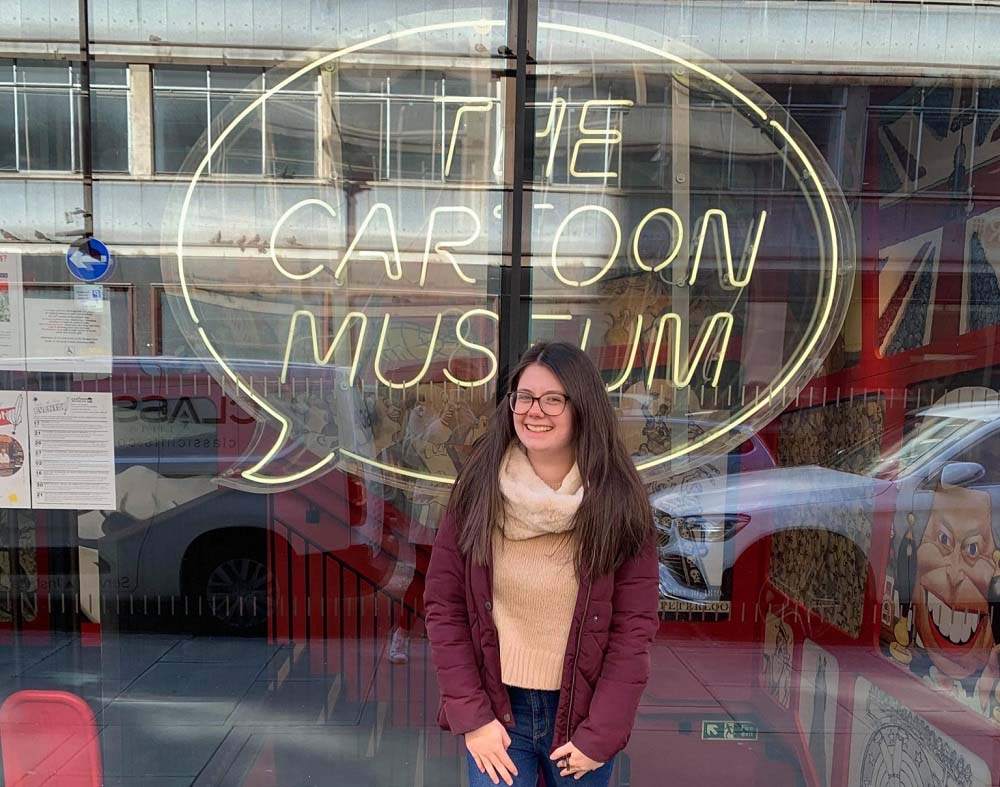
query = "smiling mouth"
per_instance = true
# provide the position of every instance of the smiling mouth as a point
(537, 429)
(955, 626)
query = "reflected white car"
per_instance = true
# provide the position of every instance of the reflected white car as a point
(955, 444)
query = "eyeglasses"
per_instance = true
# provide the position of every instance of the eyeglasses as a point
(551, 403)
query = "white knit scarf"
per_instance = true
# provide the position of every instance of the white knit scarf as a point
(533, 508)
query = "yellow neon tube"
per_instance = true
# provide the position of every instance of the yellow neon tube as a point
(396, 274)
(441, 248)
(604, 136)
(483, 26)
(631, 358)
(494, 364)
(678, 239)
(611, 257)
(277, 228)
(325, 359)
(733, 280)
(477, 104)
(427, 361)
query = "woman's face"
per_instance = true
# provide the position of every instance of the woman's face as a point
(538, 431)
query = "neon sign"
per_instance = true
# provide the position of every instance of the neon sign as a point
(589, 229)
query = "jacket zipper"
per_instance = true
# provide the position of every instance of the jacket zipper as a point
(576, 657)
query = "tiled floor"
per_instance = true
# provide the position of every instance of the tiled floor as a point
(180, 710)
(208, 711)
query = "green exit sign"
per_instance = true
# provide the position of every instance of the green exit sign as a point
(728, 731)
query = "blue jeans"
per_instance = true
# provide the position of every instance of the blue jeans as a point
(531, 744)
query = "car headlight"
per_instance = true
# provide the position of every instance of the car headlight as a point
(701, 528)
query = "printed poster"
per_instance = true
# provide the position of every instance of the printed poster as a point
(891, 745)
(11, 312)
(818, 706)
(776, 664)
(14, 465)
(981, 280)
(942, 633)
(72, 450)
(907, 282)
(68, 335)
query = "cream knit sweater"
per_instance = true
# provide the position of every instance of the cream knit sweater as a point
(535, 586)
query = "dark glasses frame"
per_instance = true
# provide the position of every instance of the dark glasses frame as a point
(512, 398)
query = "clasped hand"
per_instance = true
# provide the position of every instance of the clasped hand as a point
(488, 747)
(572, 761)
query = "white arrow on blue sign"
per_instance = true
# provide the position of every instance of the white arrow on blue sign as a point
(89, 260)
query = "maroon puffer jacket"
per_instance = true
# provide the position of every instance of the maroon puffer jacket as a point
(607, 658)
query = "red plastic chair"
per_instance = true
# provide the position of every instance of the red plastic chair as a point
(49, 738)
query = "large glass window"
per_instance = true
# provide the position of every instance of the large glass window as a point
(193, 106)
(227, 447)
(40, 129)
(406, 126)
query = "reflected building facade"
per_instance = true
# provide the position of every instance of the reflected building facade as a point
(333, 228)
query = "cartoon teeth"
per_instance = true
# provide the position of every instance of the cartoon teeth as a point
(958, 627)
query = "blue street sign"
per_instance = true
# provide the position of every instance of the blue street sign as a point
(89, 260)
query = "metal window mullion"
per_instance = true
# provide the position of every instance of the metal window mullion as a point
(553, 137)
(920, 141)
(72, 128)
(434, 135)
(918, 150)
(72, 113)
(27, 138)
(498, 126)
(972, 139)
(86, 138)
(399, 148)
(318, 161)
(128, 119)
(444, 126)
(841, 136)
(17, 124)
(514, 330)
(607, 143)
(731, 167)
(567, 133)
(208, 119)
(381, 135)
(621, 151)
(263, 131)
(388, 128)
(788, 124)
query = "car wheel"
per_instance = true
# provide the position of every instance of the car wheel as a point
(236, 594)
(226, 587)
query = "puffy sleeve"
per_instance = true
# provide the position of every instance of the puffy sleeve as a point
(634, 623)
(465, 703)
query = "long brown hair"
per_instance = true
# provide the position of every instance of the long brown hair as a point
(613, 519)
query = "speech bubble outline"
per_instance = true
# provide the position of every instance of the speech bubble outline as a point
(801, 356)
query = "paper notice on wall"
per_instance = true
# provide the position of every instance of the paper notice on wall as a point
(14, 466)
(11, 312)
(89, 297)
(67, 336)
(72, 449)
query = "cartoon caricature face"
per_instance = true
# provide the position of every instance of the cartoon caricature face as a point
(954, 568)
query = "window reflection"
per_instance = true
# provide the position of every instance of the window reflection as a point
(835, 573)
(192, 107)
(42, 117)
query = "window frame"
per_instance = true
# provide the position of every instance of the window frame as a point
(19, 89)
(207, 92)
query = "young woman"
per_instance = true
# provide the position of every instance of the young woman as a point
(542, 590)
